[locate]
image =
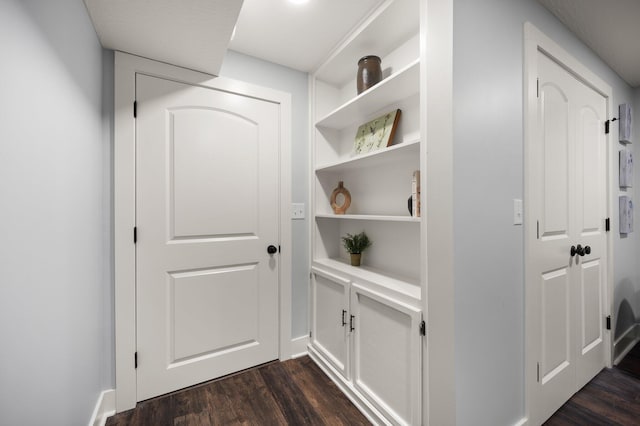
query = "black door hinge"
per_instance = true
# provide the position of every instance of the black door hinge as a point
(606, 125)
(537, 87)
(538, 373)
(607, 224)
(135, 234)
(135, 360)
(609, 322)
(135, 109)
(423, 328)
(279, 249)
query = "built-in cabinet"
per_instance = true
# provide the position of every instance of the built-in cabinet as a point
(367, 320)
(370, 342)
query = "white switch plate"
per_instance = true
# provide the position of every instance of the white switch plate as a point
(517, 211)
(297, 211)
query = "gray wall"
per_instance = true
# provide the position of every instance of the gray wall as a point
(627, 247)
(267, 74)
(628, 293)
(56, 354)
(636, 199)
(488, 175)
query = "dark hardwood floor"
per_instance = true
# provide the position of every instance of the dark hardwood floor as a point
(611, 398)
(297, 392)
(294, 392)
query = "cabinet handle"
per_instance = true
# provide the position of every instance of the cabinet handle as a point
(344, 319)
(351, 327)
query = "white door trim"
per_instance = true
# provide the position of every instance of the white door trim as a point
(534, 41)
(126, 67)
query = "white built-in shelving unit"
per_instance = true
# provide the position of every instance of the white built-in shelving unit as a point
(379, 181)
(379, 304)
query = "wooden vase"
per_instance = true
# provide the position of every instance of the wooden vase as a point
(355, 259)
(340, 209)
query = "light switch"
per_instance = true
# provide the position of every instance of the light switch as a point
(297, 211)
(517, 211)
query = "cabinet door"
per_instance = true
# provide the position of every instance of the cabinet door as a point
(387, 354)
(330, 318)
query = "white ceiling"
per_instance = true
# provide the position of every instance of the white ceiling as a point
(609, 28)
(299, 36)
(190, 33)
(195, 33)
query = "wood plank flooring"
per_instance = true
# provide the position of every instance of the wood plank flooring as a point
(294, 392)
(611, 398)
(297, 392)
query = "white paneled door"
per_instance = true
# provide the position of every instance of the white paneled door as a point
(567, 254)
(207, 199)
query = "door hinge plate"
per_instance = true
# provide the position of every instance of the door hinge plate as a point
(538, 372)
(537, 87)
(423, 328)
(135, 109)
(607, 224)
(135, 234)
(608, 322)
(135, 360)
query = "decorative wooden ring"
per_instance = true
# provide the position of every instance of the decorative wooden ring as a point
(347, 199)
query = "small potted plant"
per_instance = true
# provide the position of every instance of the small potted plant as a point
(355, 245)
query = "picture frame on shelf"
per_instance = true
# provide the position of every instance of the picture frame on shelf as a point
(377, 133)
(626, 169)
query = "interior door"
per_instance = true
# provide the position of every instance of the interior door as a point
(568, 181)
(207, 202)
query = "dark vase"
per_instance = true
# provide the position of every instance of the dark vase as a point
(369, 72)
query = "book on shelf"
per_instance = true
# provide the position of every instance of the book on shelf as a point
(415, 194)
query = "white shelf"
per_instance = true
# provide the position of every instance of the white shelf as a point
(394, 88)
(392, 282)
(392, 154)
(398, 20)
(380, 218)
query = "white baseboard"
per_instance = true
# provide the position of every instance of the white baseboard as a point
(523, 422)
(626, 342)
(105, 408)
(299, 346)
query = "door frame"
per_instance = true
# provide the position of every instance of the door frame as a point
(124, 165)
(536, 41)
